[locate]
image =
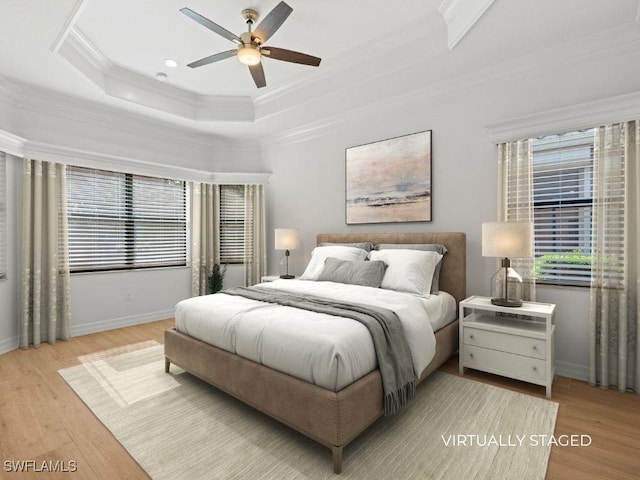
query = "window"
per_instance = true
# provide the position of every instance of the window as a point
(232, 224)
(562, 198)
(122, 221)
(3, 216)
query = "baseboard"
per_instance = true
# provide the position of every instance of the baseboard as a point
(111, 324)
(572, 370)
(94, 327)
(8, 344)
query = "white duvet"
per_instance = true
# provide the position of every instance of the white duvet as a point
(331, 352)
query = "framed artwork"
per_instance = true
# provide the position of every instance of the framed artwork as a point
(389, 181)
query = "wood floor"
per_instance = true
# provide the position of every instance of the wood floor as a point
(42, 419)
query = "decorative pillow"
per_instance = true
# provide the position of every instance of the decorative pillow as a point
(366, 246)
(368, 274)
(407, 270)
(320, 254)
(425, 247)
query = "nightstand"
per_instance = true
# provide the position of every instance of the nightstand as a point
(512, 347)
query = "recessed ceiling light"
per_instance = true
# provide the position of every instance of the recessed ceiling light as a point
(162, 77)
(170, 62)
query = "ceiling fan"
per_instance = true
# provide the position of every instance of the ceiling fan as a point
(251, 48)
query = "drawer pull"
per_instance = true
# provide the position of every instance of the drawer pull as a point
(535, 369)
(535, 348)
(471, 336)
(471, 355)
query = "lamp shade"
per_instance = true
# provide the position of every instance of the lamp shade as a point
(287, 238)
(507, 239)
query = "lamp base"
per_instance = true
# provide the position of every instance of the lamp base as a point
(506, 302)
(288, 277)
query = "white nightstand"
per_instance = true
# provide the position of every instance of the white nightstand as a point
(507, 346)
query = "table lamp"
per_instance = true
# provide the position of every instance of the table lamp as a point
(286, 239)
(507, 240)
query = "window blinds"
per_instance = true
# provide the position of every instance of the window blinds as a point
(562, 199)
(3, 215)
(232, 223)
(124, 221)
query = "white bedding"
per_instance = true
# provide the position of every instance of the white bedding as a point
(331, 352)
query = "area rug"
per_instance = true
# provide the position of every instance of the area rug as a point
(176, 426)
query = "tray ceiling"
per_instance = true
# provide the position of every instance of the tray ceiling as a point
(86, 48)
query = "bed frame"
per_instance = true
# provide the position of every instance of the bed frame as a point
(331, 418)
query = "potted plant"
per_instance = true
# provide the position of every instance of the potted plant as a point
(216, 278)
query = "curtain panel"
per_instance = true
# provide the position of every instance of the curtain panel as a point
(255, 254)
(205, 234)
(45, 290)
(615, 283)
(515, 201)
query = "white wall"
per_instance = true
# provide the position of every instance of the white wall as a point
(102, 301)
(307, 189)
(66, 122)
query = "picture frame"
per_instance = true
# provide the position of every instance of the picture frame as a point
(389, 181)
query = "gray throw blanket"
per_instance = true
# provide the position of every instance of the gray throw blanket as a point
(392, 349)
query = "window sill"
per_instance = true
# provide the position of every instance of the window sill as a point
(130, 270)
(559, 284)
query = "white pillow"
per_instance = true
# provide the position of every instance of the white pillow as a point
(320, 254)
(407, 270)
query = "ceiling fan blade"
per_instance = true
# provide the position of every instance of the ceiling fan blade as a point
(213, 58)
(291, 56)
(272, 22)
(257, 72)
(214, 27)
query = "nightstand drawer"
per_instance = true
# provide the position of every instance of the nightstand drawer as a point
(506, 364)
(504, 342)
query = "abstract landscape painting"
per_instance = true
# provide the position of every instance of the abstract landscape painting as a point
(390, 180)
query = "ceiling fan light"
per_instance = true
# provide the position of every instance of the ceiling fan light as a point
(249, 54)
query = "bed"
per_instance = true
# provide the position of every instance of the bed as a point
(332, 418)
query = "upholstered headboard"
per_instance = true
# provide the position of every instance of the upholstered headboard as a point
(453, 276)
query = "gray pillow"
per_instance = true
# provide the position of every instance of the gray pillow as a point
(368, 274)
(367, 246)
(425, 247)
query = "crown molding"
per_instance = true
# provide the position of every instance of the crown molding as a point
(12, 144)
(239, 178)
(600, 46)
(460, 16)
(305, 89)
(125, 84)
(55, 104)
(575, 117)
(80, 43)
(68, 25)
(54, 153)
(83, 158)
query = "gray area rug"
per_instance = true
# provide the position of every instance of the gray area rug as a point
(178, 427)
